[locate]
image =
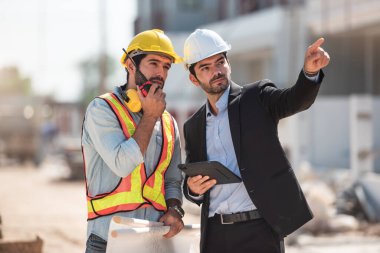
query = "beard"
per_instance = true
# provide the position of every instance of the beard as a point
(140, 79)
(216, 89)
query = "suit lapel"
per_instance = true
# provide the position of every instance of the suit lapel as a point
(234, 117)
(199, 136)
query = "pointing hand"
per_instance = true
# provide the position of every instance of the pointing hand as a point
(315, 57)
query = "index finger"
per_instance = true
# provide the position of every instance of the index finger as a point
(153, 88)
(195, 178)
(317, 43)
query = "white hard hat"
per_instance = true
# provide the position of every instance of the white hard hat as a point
(201, 44)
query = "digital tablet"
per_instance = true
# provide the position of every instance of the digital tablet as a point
(213, 169)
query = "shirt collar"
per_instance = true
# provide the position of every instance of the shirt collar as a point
(117, 91)
(221, 104)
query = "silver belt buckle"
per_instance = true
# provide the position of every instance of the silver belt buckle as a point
(222, 221)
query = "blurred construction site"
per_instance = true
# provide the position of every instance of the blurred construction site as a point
(334, 147)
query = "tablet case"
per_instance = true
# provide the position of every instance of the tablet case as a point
(213, 169)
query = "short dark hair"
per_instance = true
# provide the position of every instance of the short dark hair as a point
(192, 66)
(138, 58)
(191, 69)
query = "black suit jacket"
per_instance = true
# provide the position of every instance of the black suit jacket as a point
(254, 111)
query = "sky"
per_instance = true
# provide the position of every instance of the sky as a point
(47, 39)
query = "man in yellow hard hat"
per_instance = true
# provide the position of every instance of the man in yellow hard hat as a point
(131, 145)
(237, 127)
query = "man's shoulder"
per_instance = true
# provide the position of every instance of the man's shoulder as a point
(258, 85)
(196, 116)
(96, 104)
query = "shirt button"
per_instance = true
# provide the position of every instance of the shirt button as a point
(251, 191)
(242, 169)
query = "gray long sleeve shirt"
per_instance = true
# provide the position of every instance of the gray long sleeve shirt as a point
(109, 156)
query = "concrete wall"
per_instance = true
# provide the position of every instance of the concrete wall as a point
(271, 44)
(322, 133)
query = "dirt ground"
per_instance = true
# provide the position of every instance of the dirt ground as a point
(32, 204)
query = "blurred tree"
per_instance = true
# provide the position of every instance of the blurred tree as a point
(94, 73)
(12, 82)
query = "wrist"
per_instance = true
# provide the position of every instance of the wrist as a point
(149, 118)
(310, 74)
(193, 194)
(178, 210)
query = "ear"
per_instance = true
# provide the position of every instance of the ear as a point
(193, 79)
(130, 66)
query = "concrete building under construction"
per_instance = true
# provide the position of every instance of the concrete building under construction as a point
(268, 40)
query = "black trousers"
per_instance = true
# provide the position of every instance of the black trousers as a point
(254, 236)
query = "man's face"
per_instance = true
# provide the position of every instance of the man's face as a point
(155, 68)
(213, 74)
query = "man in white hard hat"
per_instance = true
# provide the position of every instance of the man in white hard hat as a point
(131, 145)
(238, 128)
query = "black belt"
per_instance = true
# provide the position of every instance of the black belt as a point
(237, 217)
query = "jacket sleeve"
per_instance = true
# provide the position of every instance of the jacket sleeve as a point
(282, 103)
(186, 189)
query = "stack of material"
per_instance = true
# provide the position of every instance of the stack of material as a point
(21, 246)
(34, 246)
(1, 233)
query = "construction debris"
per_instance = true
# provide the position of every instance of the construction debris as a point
(362, 199)
(338, 210)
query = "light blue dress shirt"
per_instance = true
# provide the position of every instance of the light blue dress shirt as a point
(110, 156)
(226, 198)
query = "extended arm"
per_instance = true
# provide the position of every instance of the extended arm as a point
(286, 102)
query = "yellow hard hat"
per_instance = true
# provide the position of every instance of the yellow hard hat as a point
(152, 41)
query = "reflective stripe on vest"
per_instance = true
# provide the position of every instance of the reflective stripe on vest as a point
(135, 191)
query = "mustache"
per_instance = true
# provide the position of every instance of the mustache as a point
(217, 77)
(157, 79)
